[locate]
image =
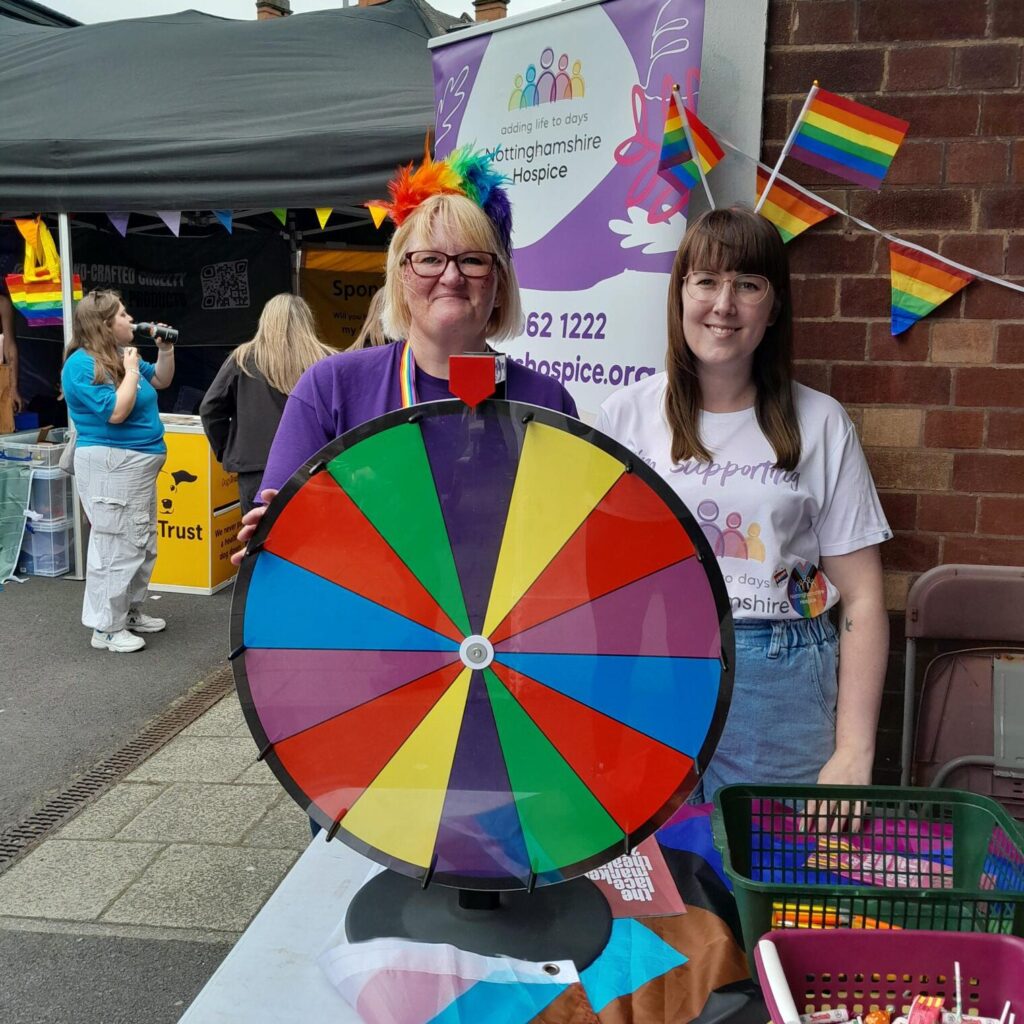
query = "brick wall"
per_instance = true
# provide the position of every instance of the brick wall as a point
(940, 409)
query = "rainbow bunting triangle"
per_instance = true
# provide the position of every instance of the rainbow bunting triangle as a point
(848, 139)
(920, 283)
(225, 217)
(790, 208)
(172, 218)
(282, 215)
(708, 149)
(323, 214)
(677, 164)
(39, 302)
(120, 222)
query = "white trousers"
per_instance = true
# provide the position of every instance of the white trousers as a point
(118, 492)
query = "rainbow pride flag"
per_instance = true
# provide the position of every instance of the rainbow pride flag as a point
(848, 139)
(39, 302)
(708, 149)
(790, 208)
(920, 283)
(677, 164)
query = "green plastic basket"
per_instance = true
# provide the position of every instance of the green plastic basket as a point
(934, 859)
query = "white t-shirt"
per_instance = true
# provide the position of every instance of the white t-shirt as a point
(768, 527)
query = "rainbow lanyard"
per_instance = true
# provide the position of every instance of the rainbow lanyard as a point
(407, 377)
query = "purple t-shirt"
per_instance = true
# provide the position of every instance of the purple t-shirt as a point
(345, 390)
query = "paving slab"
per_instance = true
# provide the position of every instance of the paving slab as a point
(194, 813)
(210, 887)
(258, 774)
(224, 719)
(72, 880)
(198, 759)
(284, 826)
(112, 811)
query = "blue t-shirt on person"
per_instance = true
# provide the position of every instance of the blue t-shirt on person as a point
(91, 405)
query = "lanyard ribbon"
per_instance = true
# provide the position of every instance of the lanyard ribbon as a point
(407, 377)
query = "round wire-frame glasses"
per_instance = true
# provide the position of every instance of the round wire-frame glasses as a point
(748, 289)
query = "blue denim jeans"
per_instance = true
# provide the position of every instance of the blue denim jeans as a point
(782, 718)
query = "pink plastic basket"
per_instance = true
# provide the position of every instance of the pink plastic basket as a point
(862, 970)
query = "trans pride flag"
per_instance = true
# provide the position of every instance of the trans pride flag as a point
(846, 138)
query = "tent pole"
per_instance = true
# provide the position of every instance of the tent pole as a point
(66, 285)
(296, 255)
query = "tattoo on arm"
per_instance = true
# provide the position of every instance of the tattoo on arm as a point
(848, 625)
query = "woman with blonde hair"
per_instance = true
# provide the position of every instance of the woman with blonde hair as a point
(111, 396)
(243, 406)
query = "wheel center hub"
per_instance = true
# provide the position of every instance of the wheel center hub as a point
(476, 652)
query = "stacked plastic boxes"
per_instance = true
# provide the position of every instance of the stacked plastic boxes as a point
(46, 548)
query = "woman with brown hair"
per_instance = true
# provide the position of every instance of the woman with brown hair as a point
(776, 478)
(243, 406)
(111, 396)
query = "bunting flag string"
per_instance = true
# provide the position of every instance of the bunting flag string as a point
(789, 207)
(323, 213)
(120, 222)
(224, 216)
(172, 218)
(921, 282)
(282, 215)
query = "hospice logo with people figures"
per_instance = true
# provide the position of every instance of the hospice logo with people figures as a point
(595, 227)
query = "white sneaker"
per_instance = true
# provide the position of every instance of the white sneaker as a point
(140, 622)
(121, 642)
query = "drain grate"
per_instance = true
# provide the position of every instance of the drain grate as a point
(18, 840)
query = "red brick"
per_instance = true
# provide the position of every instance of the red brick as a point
(1006, 431)
(1018, 163)
(909, 347)
(977, 251)
(834, 340)
(1015, 256)
(864, 297)
(946, 209)
(917, 163)
(987, 66)
(900, 509)
(776, 119)
(947, 513)
(954, 428)
(1010, 343)
(911, 20)
(1007, 18)
(984, 300)
(846, 71)
(780, 22)
(912, 551)
(1002, 114)
(983, 551)
(823, 21)
(814, 297)
(990, 387)
(892, 384)
(1001, 516)
(977, 162)
(937, 115)
(910, 469)
(847, 252)
(814, 375)
(988, 474)
(923, 67)
(1001, 207)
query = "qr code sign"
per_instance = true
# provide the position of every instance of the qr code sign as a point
(225, 285)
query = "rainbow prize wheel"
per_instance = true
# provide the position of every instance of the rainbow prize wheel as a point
(486, 648)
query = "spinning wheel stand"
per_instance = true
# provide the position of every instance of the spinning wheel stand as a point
(568, 921)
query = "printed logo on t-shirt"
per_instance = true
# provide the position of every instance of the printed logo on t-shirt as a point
(730, 542)
(808, 590)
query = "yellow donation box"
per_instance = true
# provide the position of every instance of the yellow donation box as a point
(197, 513)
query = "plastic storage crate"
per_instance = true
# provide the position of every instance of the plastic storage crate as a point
(922, 859)
(24, 447)
(860, 971)
(50, 495)
(46, 548)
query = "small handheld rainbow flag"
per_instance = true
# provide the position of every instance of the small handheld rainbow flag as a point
(789, 207)
(846, 138)
(39, 302)
(921, 282)
(677, 164)
(708, 149)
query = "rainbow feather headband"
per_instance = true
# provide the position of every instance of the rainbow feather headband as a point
(464, 172)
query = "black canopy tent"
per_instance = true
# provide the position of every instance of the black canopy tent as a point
(193, 112)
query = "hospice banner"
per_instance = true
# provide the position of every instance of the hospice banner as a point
(573, 106)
